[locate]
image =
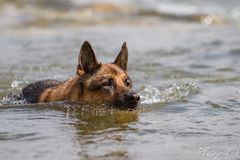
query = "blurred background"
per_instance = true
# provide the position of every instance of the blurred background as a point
(59, 13)
(184, 62)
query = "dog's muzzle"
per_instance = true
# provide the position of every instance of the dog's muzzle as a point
(128, 100)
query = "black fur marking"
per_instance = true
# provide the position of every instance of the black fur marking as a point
(32, 92)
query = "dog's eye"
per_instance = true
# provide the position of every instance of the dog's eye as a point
(127, 82)
(108, 82)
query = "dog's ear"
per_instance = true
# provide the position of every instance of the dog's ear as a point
(122, 58)
(87, 60)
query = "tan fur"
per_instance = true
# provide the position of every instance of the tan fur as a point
(70, 89)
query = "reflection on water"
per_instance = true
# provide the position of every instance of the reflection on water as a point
(100, 121)
(184, 61)
(100, 133)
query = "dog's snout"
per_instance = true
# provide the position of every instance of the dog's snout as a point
(133, 97)
(128, 100)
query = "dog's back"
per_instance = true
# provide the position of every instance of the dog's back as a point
(32, 92)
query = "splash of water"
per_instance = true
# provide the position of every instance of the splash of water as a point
(12, 99)
(152, 95)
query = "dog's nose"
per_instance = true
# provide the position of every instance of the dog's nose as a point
(133, 97)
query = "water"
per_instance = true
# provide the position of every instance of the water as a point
(184, 61)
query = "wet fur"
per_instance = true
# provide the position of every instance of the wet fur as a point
(32, 92)
(74, 88)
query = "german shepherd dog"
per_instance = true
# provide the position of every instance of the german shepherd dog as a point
(94, 84)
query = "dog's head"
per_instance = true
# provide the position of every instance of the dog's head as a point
(107, 84)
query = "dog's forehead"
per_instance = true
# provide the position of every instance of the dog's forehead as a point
(111, 69)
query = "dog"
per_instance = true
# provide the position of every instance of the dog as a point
(95, 83)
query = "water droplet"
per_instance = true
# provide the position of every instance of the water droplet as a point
(15, 84)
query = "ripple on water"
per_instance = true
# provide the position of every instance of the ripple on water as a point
(8, 136)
